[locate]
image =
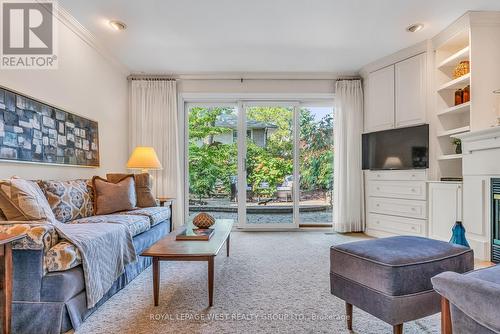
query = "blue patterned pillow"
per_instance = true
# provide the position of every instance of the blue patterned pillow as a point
(69, 200)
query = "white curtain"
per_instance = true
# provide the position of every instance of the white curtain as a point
(153, 122)
(348, 183)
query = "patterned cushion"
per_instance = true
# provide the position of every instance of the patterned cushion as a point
(24, 200)
(62, 256)
(69, 200)
(155, 214)
(135, 224)
(38, 236)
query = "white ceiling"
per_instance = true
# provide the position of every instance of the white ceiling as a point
(207, 36)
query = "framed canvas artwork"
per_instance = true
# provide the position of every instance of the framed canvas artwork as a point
(33, 131)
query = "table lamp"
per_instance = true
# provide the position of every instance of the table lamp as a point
(144, 158)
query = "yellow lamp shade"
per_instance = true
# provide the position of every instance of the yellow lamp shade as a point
(144, 158)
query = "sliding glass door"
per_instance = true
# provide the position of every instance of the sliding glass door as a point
(316, 165)
(263, 164)
(268, 160)
(212, 151)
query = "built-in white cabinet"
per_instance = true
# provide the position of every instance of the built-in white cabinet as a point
(396, 95)
(379, 111)
(445, 208)
(476, 195)
(396, 202)
(410, 91)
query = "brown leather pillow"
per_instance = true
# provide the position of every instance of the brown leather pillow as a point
(112, 197)
(143, 188)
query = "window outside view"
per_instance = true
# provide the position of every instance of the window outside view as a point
(213, 164)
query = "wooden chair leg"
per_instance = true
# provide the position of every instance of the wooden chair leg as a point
(397, 329)
(348, 313)
(445, 316)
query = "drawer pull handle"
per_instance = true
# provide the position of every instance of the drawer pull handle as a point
(412, 175)
(378, 175)
(413, 209)
(413, 190)
(378, 205)
(413, 228)
(378, 188)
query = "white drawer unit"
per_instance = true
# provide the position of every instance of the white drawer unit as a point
(397, 175)
(397, 189)
(398, 207)
(396, 202)
(396, 225)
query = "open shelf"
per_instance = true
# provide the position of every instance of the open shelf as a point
(455, 58)
(455, 110)
(461, 82)
(450, 157)
(454, 131)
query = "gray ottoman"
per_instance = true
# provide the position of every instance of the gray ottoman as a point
(390, 278)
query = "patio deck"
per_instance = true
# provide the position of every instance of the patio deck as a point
(310, 211)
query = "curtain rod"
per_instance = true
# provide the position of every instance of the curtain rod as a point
(150, 78)
(170, 78)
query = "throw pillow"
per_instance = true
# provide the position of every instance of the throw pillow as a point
(23, 200)
(143, 188)
(69, 200)
(112, 197)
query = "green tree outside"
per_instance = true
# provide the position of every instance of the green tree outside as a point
(212, 164)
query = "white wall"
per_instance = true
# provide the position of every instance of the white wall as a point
(87, 84)
(282, 86)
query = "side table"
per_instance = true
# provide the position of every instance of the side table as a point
(165, 201)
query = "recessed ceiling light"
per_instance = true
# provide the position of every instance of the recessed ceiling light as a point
(415, 27)
(117, 25)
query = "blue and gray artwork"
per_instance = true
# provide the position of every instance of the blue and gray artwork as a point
(36, 132)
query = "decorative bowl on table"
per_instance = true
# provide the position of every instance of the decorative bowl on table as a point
(203, 220)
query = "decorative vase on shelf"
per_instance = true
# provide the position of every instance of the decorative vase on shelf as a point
(461, 69)
(458, 97)
(458, 235)
(458, 145)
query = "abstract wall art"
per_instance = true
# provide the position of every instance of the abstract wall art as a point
(33, 131)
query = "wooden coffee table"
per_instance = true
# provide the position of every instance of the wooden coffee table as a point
(169, 249)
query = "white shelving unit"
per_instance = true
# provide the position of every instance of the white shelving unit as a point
(450, 157)
(455, 110)
(455, 58)
(450, 133)
(451, 119)
(461, 82)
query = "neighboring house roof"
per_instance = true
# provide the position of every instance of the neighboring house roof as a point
(231, 121)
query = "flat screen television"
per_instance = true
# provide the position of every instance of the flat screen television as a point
(405, 148)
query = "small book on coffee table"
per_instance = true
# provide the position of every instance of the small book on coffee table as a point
(202, 234)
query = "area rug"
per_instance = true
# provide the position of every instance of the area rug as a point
(273, 282)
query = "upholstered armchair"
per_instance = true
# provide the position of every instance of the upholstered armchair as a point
(470, 302)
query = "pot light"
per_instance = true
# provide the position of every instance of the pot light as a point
(415, 27)
(117, 25)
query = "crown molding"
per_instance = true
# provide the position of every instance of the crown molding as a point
(395, 57)
(85, 35)
(485, 18)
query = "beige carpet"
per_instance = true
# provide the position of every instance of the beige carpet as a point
(274, 282)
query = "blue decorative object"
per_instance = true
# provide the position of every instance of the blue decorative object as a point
(458, 235)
